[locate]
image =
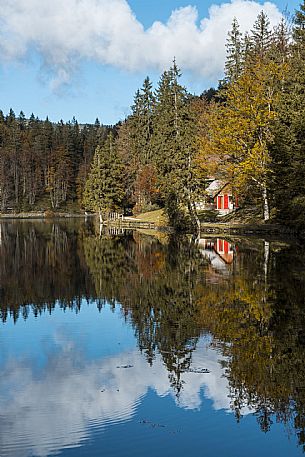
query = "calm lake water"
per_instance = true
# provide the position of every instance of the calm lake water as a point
(131, 345)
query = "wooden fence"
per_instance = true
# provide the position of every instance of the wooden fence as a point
(127, 222)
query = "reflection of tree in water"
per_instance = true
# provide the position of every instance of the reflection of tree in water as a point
(170, 293)
(258, 322)
(156, 286)
(110, 262)
(39, 267)
(165, 309)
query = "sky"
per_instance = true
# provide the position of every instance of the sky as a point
(87, 58)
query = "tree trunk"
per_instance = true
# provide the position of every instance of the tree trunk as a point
(266, 204)
(197, 220)
(194, 215)
(266, 258)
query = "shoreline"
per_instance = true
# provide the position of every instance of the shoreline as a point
(246, 229)
(42, 215)
(220, 228)
(274, 231)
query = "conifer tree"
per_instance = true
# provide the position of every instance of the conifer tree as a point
(260, 37)
(104, 190)
(234, 48)
(168, 138)
(139, 146)
(281, 42)
(141, 124)
(288, 152)
(175, 146)
(147, 101)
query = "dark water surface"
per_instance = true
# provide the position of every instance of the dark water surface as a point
(131, 345)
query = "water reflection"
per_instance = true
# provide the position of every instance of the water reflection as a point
(74, 393)
(41, 264)
(245, 297)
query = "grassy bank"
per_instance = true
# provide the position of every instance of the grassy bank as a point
(157, 217)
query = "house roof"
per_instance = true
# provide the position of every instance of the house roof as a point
(215, 187)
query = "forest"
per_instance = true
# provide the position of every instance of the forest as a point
(249, 132)
(44, 165)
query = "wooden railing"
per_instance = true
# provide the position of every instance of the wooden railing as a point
(127, 222)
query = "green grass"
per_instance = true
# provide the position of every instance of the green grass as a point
(157, 216)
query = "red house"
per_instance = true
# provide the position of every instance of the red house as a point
(220, 192)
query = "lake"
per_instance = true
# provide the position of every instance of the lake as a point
(128, 344)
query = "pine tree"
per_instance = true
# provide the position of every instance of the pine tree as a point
(167, 140)
(104, 190)
(141, 123)
(281, 42)
(234, 47)
(175, 145)
(147, 102)
(299, 26)
(168, 118)
(124, 144)
(260, 37)
(288, 152)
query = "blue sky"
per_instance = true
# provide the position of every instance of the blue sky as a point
(87, 58)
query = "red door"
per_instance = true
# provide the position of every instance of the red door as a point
(219, 245)
(219, 202)
(226, 246)
(226, 201)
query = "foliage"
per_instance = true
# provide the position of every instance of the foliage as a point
(104, 191)
(289, 147)
(158, 146)
(44, 165)
(240, 146)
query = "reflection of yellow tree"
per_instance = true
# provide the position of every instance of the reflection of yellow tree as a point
(262, 367)
(165, 291)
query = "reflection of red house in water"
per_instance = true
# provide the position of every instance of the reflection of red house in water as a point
(221, 194)
(224, 249)
(219, 252)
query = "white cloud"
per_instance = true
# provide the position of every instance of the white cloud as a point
(43, 411)
(64, 33)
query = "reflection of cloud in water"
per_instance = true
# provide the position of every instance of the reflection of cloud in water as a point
(40, 414)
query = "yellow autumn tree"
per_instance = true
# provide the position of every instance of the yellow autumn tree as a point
(240, 134)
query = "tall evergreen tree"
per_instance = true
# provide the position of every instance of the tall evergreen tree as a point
(234, 47)
(260, 37)
(141, 123)
(168, 139)
(147, 101)
(281, 42)
(104, 190)
(175, 146)
(288, 152)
